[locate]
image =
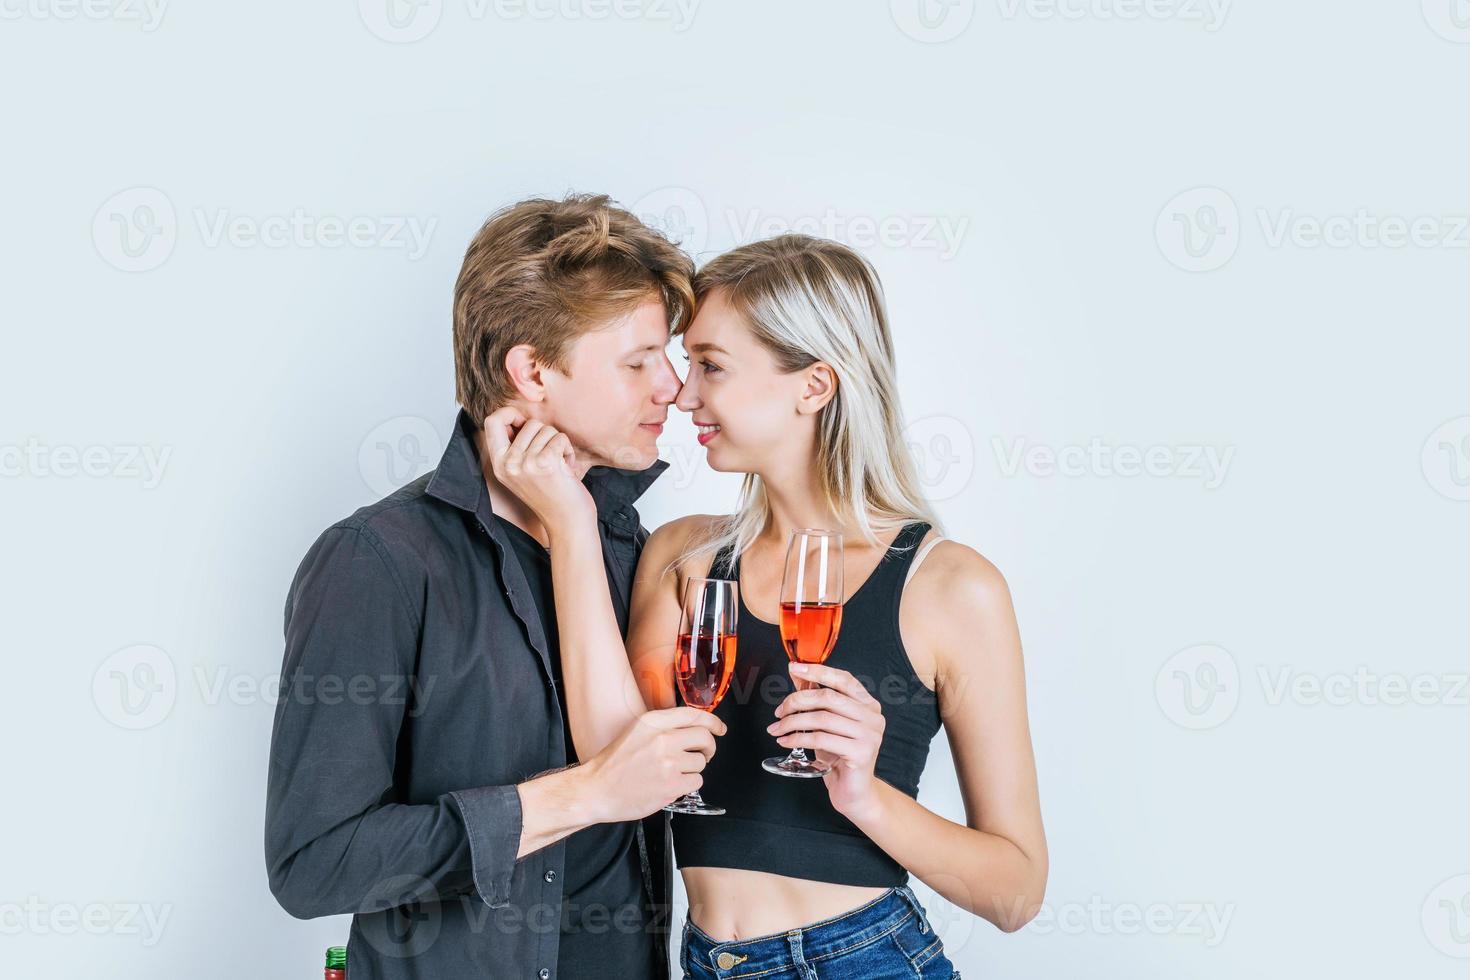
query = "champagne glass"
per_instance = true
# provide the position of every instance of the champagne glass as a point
(704, 660)
(811, 615)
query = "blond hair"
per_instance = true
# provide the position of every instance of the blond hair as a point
(805, 300)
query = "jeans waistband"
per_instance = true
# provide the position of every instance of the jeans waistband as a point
(820, 940)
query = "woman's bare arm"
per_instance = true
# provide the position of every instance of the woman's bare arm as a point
(994, 864)
(610, 684)
(654, 618)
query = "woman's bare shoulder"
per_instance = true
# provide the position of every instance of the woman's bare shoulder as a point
(671, 540)
(682, 530)
(960, 594)
(953, 570)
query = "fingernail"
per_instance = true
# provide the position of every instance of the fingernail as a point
(797, 668)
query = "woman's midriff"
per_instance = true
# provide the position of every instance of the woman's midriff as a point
(729, 903)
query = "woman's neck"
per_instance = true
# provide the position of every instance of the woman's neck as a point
(797, 501)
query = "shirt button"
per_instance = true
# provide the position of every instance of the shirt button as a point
(543, 973)
(550, 876)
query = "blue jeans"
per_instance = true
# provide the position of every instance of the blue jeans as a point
(890, 938)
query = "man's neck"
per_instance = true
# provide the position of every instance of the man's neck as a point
(506, 504)
(509, 507)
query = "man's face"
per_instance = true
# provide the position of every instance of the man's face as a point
(614, 399)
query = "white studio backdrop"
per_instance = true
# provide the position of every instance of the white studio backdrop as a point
(1179, 294)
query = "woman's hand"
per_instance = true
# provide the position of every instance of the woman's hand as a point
(843, 723)
(537, 464)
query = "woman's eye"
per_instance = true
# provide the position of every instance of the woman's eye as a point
(708, 367)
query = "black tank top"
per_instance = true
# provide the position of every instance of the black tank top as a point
(788, 826)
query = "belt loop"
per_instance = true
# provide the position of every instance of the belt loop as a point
(913, 900)
(803, 969)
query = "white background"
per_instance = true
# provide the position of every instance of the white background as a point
(1235, 782)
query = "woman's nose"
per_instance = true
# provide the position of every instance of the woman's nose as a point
(688, 399)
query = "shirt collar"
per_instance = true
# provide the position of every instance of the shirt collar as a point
(458, 479)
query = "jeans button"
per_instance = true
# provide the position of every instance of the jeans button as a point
(550, 875)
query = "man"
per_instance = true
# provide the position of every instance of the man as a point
(419, 770)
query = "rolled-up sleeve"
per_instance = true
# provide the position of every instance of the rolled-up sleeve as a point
(492, 817)
(336, 840)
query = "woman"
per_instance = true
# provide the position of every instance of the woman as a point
(791, 381)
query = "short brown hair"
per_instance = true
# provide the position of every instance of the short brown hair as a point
(543, 272)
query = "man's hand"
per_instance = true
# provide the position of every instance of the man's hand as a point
(656, 760)
(538, 465)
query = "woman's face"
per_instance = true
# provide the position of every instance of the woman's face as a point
(747, 411)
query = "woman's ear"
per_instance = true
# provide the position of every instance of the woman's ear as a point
(820, 388)
(525, 373)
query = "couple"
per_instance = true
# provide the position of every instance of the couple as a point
(478, 728)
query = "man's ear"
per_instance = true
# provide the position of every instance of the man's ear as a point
(820, 388)
(525, 373)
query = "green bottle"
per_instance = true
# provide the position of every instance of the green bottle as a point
(336, 963)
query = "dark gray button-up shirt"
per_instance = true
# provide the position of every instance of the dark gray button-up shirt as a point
(416, 693)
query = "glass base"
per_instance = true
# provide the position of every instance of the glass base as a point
(802, 768)
(693, 803)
